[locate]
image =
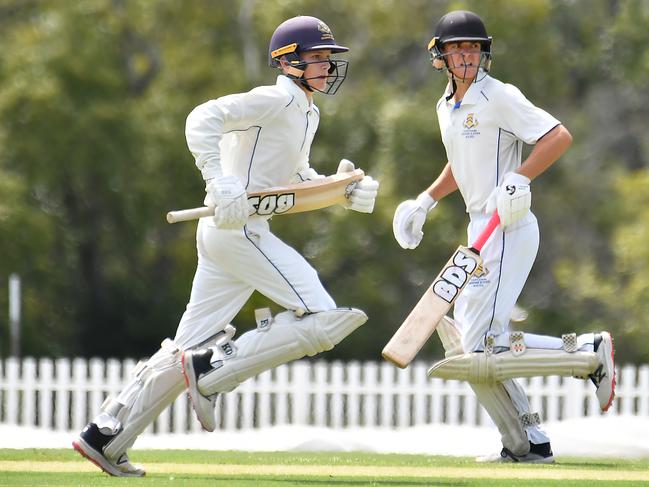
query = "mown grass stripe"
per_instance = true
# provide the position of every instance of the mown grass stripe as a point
(541, 472)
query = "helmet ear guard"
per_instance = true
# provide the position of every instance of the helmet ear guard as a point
(436, 57)
(459, 26)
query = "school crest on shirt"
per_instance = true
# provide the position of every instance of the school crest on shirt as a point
(470, 121)
(470, 125)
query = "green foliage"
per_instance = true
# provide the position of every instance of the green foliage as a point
(93, 99)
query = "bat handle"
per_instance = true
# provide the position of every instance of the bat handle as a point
(486, 233)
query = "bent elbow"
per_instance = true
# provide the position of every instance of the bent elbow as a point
(567, 136)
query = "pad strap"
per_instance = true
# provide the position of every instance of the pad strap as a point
(570, 342)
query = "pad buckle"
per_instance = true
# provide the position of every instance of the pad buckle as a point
(530, 419)
(517, 343)
(264, 319)
(570, 342)
(490, 341)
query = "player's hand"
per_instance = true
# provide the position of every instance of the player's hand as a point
(409, 219)
(363, 196)
(512, 199)
(231, 202)
(308, 174)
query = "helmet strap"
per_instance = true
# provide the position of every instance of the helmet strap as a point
(453, 88)
(294, 72)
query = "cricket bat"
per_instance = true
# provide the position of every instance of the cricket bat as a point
(437, 300)
(294, 198)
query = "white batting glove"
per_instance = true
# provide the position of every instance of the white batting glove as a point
(409, 219)
(345, 165)
(512, 199)
(363, 196)
(308, 174)
(231, 202)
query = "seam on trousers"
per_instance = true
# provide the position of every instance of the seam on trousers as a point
(245, 232)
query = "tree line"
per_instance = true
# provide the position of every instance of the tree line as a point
(93, 100)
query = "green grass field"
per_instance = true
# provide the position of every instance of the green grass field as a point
(187, 468)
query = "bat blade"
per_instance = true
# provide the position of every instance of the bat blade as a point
(431, 308)
(283, 200)
(437, 300)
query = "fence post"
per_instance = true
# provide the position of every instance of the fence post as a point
(14, 314)
(12, 365)
(29, 384)
(301, 371)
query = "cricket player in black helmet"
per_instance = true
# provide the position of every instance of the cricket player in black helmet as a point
(484, 124)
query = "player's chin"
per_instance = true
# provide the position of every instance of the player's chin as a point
(318, 83)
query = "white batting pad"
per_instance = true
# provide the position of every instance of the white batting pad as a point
(485, 368)
(156, 384)
(287, 338)
(450, 337)
(496, 401)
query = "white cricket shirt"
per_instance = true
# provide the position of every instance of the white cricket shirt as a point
(263, 136)
(484, 136)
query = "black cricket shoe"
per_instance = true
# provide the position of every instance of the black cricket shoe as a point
(91, 442)
(539, 453)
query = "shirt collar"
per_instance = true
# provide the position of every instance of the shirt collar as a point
(473, 93)
(293, 89)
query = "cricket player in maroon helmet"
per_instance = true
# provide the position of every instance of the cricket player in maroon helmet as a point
(242, 143)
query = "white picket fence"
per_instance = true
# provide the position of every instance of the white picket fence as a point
(63, 394)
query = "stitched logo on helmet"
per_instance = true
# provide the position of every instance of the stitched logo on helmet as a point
(326, 31)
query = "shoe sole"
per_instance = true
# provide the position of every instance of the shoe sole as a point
(92, 455)
(499, 459)
(189, 375)
(612, 367)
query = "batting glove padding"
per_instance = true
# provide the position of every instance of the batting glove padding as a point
(409, 219)
(363, 196)
(231, 202)
(512, 198)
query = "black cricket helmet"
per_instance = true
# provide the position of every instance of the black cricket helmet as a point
(303, 34)
(459, 26)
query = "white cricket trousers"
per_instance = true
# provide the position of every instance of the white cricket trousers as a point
(485, 306)
(487, 302)
(234, 263)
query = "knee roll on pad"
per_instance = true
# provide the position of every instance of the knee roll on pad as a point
(450, 337)
(286, 338)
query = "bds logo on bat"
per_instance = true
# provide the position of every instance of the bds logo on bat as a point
(455, 275)
(271, 204)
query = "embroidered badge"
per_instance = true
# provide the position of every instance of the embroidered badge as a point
(470, 121)
(470, 125)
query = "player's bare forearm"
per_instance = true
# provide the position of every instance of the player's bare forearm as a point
(546, 152)
(444, 184)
